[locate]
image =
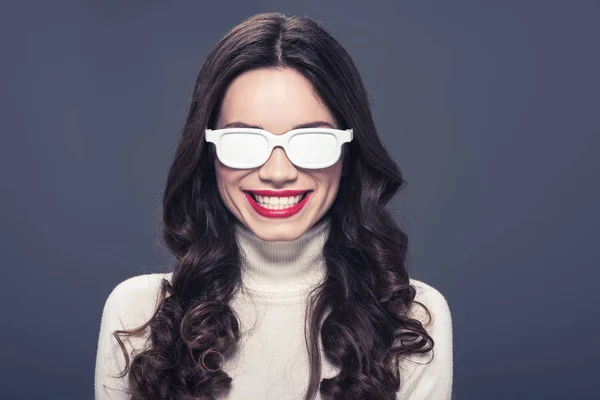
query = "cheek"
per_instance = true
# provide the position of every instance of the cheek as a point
(226, 178)
(330, 177)
(229, 181)
(334, 173)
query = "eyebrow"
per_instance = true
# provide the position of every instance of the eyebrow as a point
(313, 124)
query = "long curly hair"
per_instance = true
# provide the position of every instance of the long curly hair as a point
(361, 312)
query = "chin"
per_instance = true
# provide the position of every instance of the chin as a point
(279, 232)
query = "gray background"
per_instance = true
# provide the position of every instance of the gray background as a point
(489, 107)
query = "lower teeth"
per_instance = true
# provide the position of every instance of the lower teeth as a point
(272, 207)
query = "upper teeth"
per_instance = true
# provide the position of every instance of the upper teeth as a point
(277, 202)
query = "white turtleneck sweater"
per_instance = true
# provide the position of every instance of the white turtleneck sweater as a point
(272, 361)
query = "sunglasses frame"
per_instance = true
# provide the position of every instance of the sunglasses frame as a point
(283, 140)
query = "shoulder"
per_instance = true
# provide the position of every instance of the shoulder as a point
(135, 298)
(130, 304)
(432, 310)
(435, 302)
(138, 285)
(429, 376)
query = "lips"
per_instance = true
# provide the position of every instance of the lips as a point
(284, 213)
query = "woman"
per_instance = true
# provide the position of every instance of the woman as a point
(290, 279)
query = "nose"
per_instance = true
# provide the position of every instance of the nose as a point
(278, 169)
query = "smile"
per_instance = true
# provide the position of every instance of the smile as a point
(278, 204)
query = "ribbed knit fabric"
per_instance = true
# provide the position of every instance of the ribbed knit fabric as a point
(280, 270)
(271, 361)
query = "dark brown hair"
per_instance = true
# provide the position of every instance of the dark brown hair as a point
(360, 312)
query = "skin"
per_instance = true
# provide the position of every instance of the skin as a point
(276, 100)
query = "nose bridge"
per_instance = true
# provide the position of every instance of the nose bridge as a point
(278, 168)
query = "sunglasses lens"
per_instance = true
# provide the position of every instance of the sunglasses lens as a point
(243, 149)
(312, 150)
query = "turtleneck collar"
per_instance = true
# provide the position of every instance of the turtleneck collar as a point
(283, 268)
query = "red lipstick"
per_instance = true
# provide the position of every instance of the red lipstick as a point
(286, 212)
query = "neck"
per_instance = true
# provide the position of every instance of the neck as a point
(283, 268)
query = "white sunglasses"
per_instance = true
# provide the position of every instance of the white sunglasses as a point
(306, 147)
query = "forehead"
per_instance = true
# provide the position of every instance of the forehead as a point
(275, 99)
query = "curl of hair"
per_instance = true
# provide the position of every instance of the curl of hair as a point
(361, 314)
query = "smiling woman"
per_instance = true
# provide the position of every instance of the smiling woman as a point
(277, 100)
(290, 279)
